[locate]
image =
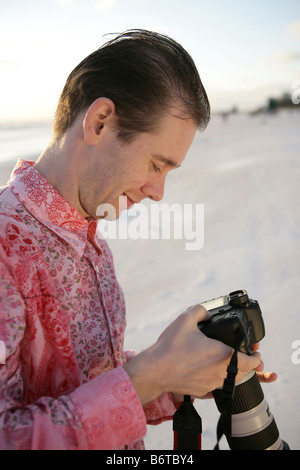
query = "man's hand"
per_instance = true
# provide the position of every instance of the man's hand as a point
(184, 361)
(265, 377)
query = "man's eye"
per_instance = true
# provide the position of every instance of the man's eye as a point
(155, 168)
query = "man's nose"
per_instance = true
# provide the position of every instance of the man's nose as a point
(154, 188)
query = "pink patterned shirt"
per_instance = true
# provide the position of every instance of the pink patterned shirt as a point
(62, 319)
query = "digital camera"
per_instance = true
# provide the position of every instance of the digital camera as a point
(252, 425)
(230, 314)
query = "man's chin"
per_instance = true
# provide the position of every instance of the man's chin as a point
(112, 212)
(125, 202)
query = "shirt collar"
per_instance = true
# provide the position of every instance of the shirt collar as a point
(48, 206)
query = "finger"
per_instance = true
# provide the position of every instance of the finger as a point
(267, 377)
(207, 396)
(247, 363)
(260, 368)
(198, 313)
(255, 347)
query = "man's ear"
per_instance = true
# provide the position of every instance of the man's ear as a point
(99, 114)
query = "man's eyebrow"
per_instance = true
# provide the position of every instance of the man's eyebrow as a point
(167, 161)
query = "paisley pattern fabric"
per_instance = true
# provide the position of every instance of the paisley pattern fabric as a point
(62, 319)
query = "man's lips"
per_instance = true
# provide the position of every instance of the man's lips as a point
(130, 202)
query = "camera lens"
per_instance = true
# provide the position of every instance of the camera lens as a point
(252, 425)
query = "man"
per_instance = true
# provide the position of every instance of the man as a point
(126, 117)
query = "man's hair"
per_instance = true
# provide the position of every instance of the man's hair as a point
(144, 73)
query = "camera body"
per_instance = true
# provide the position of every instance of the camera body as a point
(230, 314)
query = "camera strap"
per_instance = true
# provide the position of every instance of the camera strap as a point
(187, 426)
(224, 423)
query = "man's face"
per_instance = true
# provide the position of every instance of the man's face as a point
(136, 170)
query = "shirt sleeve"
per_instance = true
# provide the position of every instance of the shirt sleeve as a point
(104, 413)
(160, 410)
(113, 417)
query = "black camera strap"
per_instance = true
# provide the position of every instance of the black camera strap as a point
(224, 423)
(187, 426)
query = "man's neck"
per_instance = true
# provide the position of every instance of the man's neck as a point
(57, 164)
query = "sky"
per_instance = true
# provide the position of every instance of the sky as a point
(246, 50)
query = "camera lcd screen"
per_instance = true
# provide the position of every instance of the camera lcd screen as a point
(215, 303)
